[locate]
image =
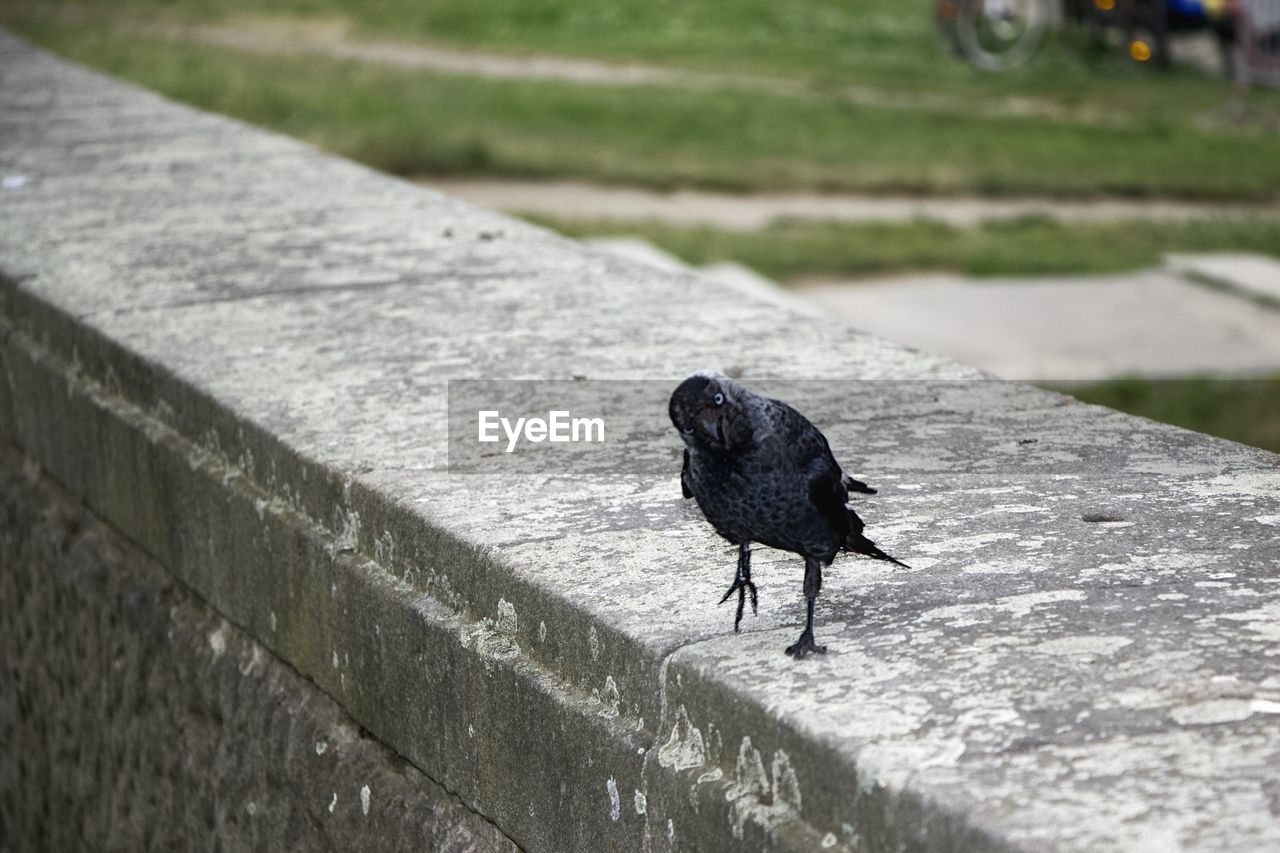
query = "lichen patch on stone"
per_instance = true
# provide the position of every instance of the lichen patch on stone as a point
(684, 749)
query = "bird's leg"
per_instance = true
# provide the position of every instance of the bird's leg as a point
(812, 586)
(742, 584)
(744, 577)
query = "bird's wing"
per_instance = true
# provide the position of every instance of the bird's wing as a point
(828, 487)
(828, 494)
(684, 476)
(809, 443)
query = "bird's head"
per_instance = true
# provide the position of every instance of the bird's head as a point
(707, 410)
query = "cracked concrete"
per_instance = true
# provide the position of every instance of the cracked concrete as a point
(236, 351)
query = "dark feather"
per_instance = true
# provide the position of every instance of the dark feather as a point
(858, 486)
(860, 544)
(684, 476)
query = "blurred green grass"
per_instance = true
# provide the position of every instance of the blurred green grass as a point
(1121, 129)
(1243, 410)
(883, 38)
(887, 41)
(1026, 246)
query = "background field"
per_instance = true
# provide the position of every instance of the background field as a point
(830, 96)
(818, 96)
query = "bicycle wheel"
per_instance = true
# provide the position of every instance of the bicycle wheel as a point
(996, 35)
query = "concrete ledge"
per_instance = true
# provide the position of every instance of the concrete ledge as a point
(234, 350)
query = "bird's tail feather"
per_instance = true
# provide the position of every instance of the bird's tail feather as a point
(860, 544)
(858, 486)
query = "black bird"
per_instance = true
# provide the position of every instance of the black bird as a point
(761, 472)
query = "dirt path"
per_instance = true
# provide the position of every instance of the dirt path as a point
(571, 199)
(276, 36)
(332, 37)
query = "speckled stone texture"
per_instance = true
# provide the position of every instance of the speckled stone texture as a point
(132, 717)
(235, 350)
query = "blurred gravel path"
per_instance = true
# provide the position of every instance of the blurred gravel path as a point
(276, 35)
(333, 37)
(577, 200)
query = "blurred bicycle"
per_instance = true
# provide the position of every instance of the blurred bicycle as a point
(997, 35)
(994, 35)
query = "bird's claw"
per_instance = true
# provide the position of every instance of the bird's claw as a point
(805, 645)
(741, 586)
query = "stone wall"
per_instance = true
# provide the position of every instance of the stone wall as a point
(133, 717)
(234, 351)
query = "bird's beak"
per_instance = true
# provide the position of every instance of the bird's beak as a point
(713, 426)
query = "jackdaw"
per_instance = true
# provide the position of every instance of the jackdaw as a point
(761, 472)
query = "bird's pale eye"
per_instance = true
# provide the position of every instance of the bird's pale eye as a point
(719, 399)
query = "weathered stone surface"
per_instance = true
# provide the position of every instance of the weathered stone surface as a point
(132, 717)
(235, 350)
